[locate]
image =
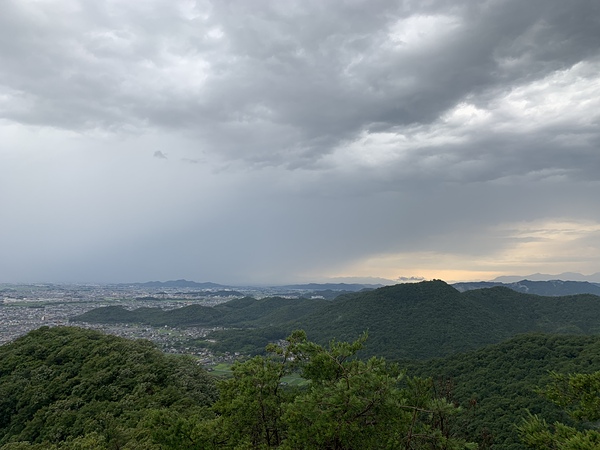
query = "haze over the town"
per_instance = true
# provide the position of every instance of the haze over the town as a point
(272, 142)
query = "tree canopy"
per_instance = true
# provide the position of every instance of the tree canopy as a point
(63, 384)
(348, 403)
(579, 394)
(66, 388)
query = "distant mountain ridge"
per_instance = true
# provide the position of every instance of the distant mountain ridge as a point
(563, 284)
(351, 287)
(180, 284)
(550, 288)
(565, 276)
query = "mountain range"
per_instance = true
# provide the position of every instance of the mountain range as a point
(552, 285)
(415, 320)
(565, 276)
(548, 288)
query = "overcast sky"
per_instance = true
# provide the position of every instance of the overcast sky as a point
(247, 141)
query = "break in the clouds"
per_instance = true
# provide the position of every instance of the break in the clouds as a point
(284, 141)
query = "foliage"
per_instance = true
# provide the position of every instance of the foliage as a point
(188, 315)
(65, 386)
(348, 403)
(251, 404)
(580, 395)
(432, 319)
(252, 341)
(498, 384)
(245, 311)
(407, 321)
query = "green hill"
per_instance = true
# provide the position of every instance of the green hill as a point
(497, 384)
(66, 388)
(432, 319)
(525, 312)
(405, 321)
(246, 311)
(420, 320)
(186, 316)
(59, 384)
(270, 311)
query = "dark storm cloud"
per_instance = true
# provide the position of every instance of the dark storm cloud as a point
(302, 137)
(278, 82)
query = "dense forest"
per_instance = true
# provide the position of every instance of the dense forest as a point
(72, 388)
(414, 366)
(406, 321)
(69, 388)
(499, 384)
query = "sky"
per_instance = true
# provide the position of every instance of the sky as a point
(269, 142)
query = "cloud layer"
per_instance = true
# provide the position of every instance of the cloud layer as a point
(279, 141)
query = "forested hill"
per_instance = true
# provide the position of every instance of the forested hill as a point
(87, 390)
(432, 319)
(404, 321)
(497, 385)
(420, 320)
(246, 311)
(72, 389)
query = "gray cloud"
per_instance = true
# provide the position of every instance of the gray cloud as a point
(290, 81)
(303, 136)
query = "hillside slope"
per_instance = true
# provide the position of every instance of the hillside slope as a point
(246, 311)
(497, 385)
(62, 383)
(432, 319)
(406, 321)
(420, 320)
